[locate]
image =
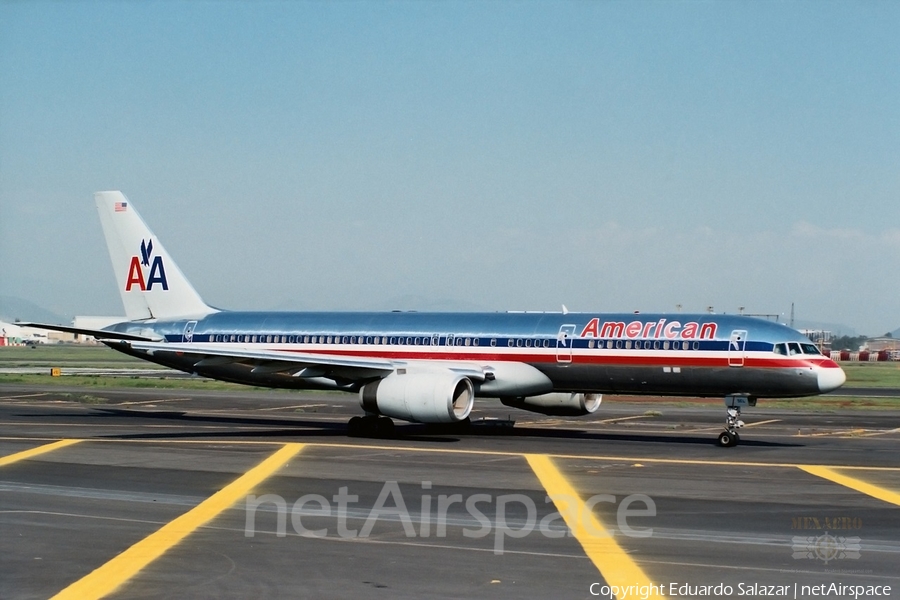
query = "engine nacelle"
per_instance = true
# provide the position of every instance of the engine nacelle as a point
(429, 397)
(558, 404)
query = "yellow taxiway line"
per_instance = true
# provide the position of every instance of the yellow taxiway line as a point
(6, 460)
(614, 564)
(854, 484)
(107, 578)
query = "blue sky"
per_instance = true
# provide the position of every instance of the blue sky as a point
(503, 155)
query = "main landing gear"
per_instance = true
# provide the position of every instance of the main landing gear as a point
(371, 426)
(730, 438)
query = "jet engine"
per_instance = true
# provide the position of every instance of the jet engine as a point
(429, 397)
(559, 404)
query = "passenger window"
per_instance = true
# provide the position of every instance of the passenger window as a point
(590, 343)
(666, 345)
(510, 342)
(493, 342)
(628, 344)
(656, 345)
(476, 341)
(528, 343)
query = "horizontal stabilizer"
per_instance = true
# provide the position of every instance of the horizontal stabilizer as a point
(100, 334)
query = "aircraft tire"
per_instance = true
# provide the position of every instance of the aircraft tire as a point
(384, 427)
(728, 439)
(355, 427)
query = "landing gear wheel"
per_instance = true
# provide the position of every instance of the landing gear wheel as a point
(384, 428)
(355, 427)
(370, 426)
(728, 439)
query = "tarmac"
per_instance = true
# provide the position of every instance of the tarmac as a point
(257, 494)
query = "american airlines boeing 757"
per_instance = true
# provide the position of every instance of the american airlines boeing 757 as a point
(429, 367)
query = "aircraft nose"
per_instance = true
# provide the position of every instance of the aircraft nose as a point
(831, 377)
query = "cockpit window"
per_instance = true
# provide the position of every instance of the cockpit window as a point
(793, 348)
(780, 349)
(810, 349)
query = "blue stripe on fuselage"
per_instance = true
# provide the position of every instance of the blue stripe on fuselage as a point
(483, 326)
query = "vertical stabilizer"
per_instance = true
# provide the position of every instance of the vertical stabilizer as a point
(151, 284)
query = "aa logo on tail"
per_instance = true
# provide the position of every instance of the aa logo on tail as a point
(140, 263)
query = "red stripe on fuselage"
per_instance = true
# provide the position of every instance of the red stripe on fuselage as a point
(679, 359)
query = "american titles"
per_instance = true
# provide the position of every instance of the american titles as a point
(662, 329)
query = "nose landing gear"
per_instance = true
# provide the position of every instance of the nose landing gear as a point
(730, 438)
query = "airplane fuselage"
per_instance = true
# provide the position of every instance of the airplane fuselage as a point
(647, 354)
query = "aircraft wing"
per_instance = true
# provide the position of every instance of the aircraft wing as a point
(299, 364)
